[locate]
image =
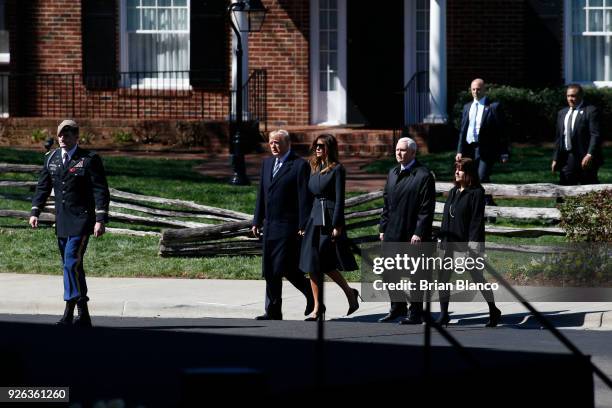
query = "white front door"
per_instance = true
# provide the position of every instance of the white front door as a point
(328, 61)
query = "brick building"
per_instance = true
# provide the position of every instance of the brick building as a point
(325, 61)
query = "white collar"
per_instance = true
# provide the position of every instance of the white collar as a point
(70, 152)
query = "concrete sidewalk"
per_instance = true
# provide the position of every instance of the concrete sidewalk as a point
(193, 298)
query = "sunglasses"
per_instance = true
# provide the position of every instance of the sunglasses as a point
(320, 146)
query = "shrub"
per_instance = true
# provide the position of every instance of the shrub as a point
(122, 137)
(588, 217)
(39, 135)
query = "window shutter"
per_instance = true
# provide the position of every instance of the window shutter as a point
(99, 28)
(209, 56)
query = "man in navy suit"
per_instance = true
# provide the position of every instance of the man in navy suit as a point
(282, 209)
(577, 155)
(482, 133)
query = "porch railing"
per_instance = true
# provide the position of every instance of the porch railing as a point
(255, 92)
(150, 95)
(416, 99)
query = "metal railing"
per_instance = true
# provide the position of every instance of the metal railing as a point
(153, 94)
(416, 99)
(255, 94)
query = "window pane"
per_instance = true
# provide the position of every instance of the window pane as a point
(595, 3)
(148, 19)
(133, 3)
(323, 4)
(596, 20)
(333, 20)
(148, 3)
(323, 21)
(609, 20)
(133, 19)
(164, 3)
(163, 19)
(323, 61)
(333, 40)
(333, 80)
(333, 4)
(180, 3)
(323, 40)
(323, 81)
(333, 61)
(179, 17)
(421, 41)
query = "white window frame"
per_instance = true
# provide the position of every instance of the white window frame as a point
(328, 108)
(5, 57)
(568, 42)
(149, 83)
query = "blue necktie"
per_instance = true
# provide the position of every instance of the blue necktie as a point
(276, 168)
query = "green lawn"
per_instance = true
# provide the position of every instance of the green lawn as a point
(24, 250)
(526, 165)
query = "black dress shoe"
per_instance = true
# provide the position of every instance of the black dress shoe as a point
(413, 318)
(267, 316)
(444, 319)
(68, 316)
(83, 320)
(494, 318)
(309, 305)
(320, 315)
(392, 315)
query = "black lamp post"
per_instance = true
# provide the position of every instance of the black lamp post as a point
(255, 14)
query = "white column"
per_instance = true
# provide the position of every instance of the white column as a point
(437, 62)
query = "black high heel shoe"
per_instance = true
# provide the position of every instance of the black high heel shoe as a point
(494, 317)
(444, 319)
(353, 307)
(319, 315)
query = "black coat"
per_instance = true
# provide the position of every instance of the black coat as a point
(492, 137)
(463, 217)
(81, 192)
(585, 137)
(282, 208)
(319, 252)
(410, 201)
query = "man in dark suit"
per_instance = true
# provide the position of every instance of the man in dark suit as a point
(282, 208)
(577, 153)
(81, 208)
(409, 204)
(482, 133)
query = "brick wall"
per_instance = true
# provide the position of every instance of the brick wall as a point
(46, 38)
(282, 49)
(485, 38)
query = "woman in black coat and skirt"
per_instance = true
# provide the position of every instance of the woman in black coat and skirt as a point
(325, 248)
(463, 227)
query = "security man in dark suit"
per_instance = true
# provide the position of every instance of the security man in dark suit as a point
(482, 135)
(81, 208)
(407, 217)
(577, 153)
(282, 209)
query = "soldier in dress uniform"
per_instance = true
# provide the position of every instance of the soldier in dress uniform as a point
(82, 198)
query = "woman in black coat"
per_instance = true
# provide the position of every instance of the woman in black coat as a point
(325, 248)
(463, 227)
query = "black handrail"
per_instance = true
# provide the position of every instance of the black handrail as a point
(255, 94)
(416, 98)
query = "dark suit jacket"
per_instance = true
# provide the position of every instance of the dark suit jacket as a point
(283, 203)
(585, 136)
(409, 204)
(81, 192)
(464, 222)
(492, 136)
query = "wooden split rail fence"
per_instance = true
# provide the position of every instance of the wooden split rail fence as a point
(186, 237)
